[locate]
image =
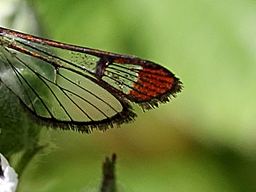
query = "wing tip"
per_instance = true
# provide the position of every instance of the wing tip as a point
(165, 97)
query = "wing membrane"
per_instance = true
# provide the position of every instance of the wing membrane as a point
(60, 93)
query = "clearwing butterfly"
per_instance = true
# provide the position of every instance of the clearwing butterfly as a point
(73, 87)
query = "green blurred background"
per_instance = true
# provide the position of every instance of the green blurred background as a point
(205, 139)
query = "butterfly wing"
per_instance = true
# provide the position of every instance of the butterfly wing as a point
(71, 85)
(61, 96)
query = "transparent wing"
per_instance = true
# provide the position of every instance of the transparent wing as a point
(59, 95)
(73, 85)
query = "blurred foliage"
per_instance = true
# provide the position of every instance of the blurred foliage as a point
(205, 139)
(108, 183)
